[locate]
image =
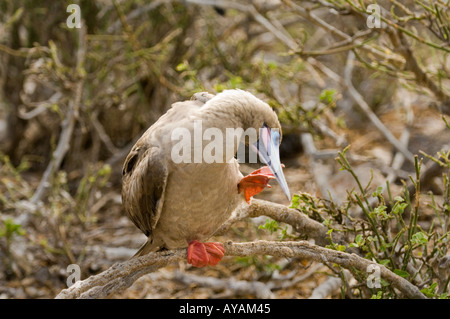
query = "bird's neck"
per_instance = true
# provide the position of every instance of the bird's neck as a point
(228, 126)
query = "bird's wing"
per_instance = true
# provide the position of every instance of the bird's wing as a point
(145, 170)
(144, 183)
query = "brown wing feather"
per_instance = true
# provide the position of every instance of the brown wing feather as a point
(143, 188)
(145, 172)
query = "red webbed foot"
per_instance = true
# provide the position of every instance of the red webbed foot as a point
(202, 254)
(255, 182)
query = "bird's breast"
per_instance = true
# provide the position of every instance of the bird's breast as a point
(199, 199)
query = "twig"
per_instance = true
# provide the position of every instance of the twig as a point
(300, 222)
(224, 4)
(239, 287)
(22, 52)
(397, 163)
(38, 107)
(141, 10)
(285, 284)
(122, 275)
(320, 176)
(104, 137)
(400, 28)
(330, 285)
(399, 41)
(362, 104)
(282, 35)
(307, 14)
(345, 45)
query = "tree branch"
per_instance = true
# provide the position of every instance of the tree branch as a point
(301, 223)
(121, 276)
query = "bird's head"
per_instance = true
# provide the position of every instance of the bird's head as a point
(246, 111)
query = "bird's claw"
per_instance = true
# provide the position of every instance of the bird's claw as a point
(202, 254)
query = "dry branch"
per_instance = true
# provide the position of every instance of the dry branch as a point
(326, 288)
(291, 282)
(362, 104)
(422, 78)
(307, 14)
(329, 286)
(238, 287)
(301, 223)
(122, 275)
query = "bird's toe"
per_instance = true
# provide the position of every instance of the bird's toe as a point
(196, 254)
(202, 254)
(215, 252)
(255, 182)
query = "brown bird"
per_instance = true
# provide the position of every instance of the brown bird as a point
(180, 185)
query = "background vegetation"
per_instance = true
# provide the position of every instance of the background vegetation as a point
(364, 112)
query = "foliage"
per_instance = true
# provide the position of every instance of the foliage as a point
(388, 232)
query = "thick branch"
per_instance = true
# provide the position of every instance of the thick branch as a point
(122, 275)
(301, 223)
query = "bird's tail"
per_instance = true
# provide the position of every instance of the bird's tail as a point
(146, 248)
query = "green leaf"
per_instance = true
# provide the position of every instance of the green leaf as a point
(236, 82)
(11, 228)
(384, 283)
(419, 238)
(378, 295)
(270, 225)
(378, 192)
(359, 240)
(430, 291)
(384, 262)
(327, 222)
(272, 65)
(399, 208)
(380, 209)
(105, 170)
(182, 67)
(327, 95)
(401, 273)
(295, 203)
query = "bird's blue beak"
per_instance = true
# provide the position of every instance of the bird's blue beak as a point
(268, 149)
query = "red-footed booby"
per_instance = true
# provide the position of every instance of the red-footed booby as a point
(181, 200)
